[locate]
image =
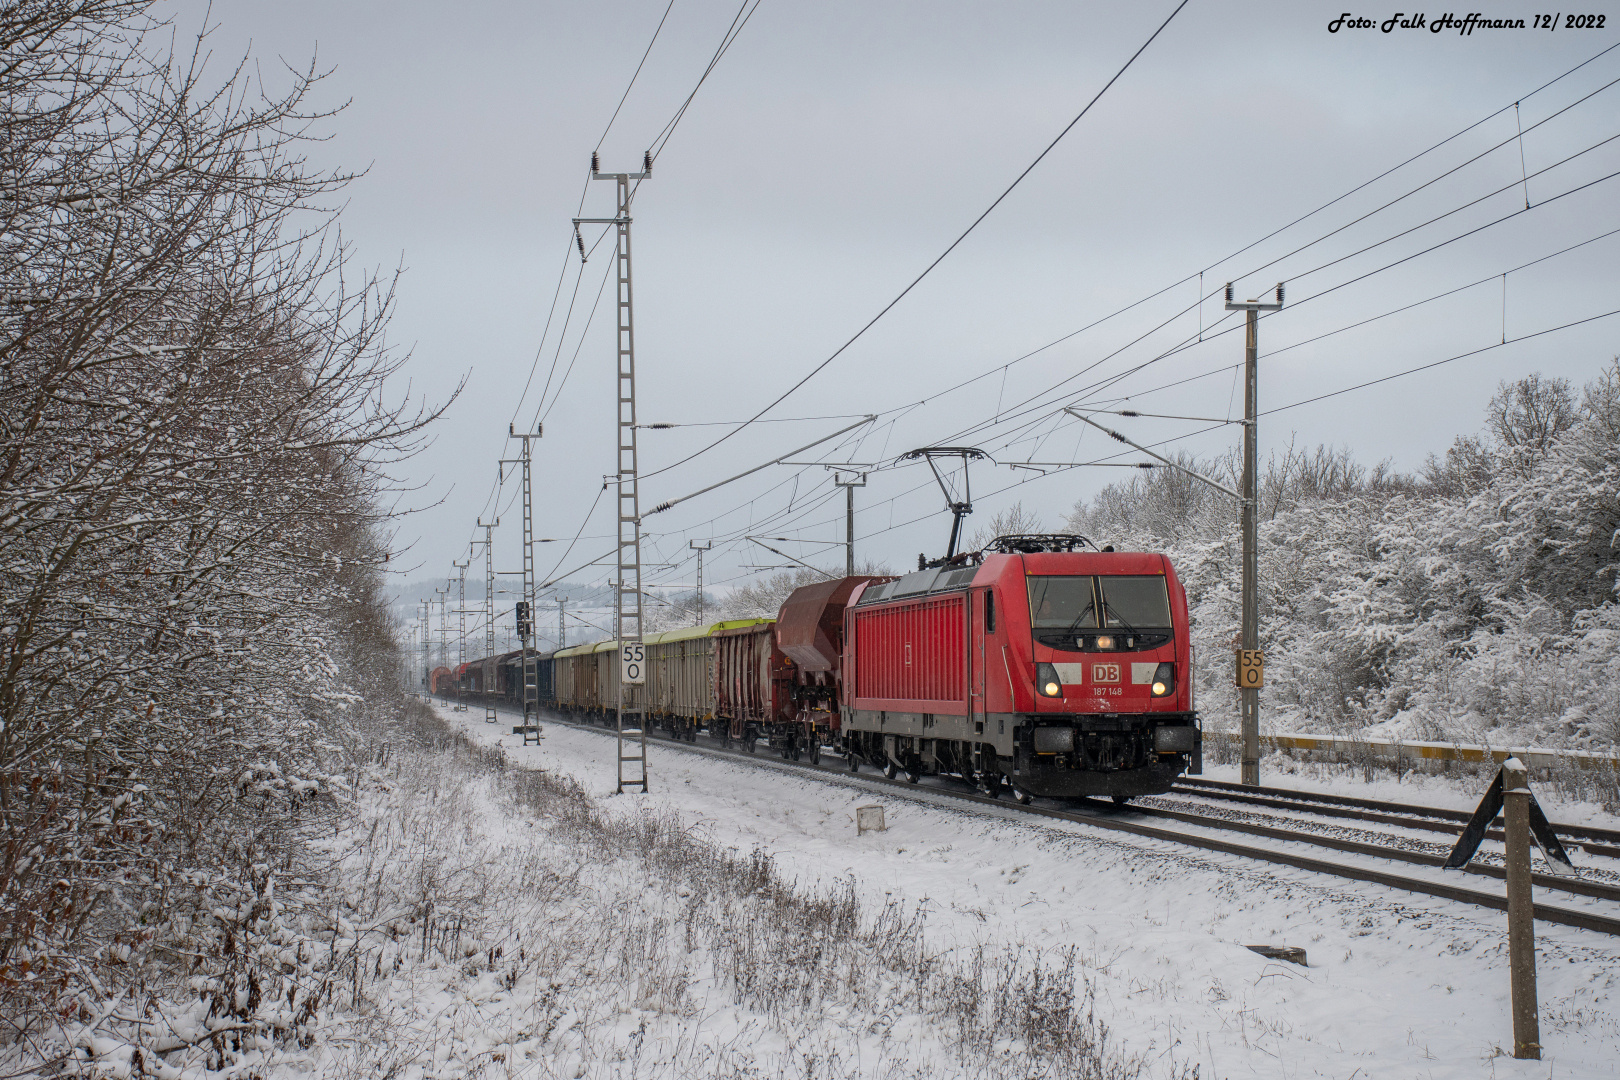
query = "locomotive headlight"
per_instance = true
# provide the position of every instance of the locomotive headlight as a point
(1047, 683)
(1164, 680)
(1105, 641)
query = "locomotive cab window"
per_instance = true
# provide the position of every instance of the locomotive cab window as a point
(1131, 601)
(989, 611)
(1108, 613)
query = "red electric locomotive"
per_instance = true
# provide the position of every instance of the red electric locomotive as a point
(1045, 668)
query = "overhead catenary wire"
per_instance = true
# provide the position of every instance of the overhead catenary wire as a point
(1030, 404)
(1247, 247)
(738, 21)
(636, 74)
(940, 258)
(1226, 366)
(1426, 151)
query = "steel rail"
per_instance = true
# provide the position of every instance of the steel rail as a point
(1420, 858)
(1545, 912)
(1329, 806)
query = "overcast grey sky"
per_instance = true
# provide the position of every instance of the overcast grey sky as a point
(839, 147)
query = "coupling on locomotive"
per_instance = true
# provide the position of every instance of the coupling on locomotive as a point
(1032, 666)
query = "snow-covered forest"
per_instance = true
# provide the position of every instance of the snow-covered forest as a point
(195, 439)
(1473, 602)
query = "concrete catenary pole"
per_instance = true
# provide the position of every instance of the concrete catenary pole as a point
(1521, 911)
(849, 487)
(1250, 660)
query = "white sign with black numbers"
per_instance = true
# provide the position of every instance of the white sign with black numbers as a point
(632, 663)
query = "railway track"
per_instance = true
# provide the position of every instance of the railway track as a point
(1129, 820)
(1593, 840)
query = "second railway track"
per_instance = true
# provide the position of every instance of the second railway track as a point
(1116, 819)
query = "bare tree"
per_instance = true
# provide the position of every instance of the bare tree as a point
(195, 439)
(1527, 416)
(1009, 522)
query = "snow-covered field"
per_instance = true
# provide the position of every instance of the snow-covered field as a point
(1398, 985)
(501, 913)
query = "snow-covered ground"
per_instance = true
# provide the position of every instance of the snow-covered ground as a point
(1398, 985)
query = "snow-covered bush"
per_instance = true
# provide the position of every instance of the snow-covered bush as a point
(192, 439)
(1475, 603)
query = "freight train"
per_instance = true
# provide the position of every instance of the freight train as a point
(1032, 667)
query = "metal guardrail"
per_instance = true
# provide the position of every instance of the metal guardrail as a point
(1351, 749)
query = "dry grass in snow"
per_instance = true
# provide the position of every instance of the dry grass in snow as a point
(494, 922)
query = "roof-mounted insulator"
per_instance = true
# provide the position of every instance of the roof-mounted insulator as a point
(646, 162)
(1228, 292)
(596, 162)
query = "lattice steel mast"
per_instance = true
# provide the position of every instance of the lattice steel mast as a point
(632, 740)
(461, 631)
(490, 677)
(528, 667)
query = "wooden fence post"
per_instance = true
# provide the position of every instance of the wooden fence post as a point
(1521, 911)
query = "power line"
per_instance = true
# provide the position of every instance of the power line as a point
(1247, 247)
(941, 258)
(635, 76)
(662, 138)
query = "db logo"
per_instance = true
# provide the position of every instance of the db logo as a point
(1105, 673)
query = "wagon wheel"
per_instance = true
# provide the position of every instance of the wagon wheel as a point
(913, 773)
(750, 741)
(853, 759)
(1021, 797)
(815, 750)
(890, 769)
(1121, 800)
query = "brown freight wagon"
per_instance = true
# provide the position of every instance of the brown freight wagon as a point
(752, 686)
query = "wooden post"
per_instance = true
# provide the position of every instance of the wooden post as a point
(1521, 911)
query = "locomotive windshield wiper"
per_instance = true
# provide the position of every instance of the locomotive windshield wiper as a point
(1109, 612)
(1089, 609)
